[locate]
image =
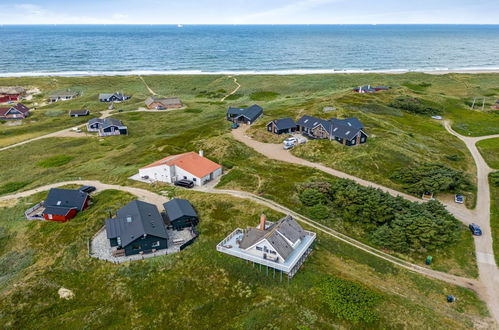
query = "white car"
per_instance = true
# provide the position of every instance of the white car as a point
(291, 140)
(437, 117)
(76, 129)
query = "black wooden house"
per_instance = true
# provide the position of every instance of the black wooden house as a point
(180, 214)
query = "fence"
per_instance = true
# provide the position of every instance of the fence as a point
(33, 209)
(189, 242)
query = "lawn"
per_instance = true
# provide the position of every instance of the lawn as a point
(490, 151)
(200, 287)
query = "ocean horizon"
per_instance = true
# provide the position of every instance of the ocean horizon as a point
(87, 50)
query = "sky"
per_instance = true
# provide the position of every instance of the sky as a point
(249, 12)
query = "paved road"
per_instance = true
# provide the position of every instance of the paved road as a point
(487, 268)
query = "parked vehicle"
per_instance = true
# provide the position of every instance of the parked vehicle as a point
(184, 183)
(291, 140)
(475, 229)
(234, 125)
(437, 117)
(288, 146)
(88, 189)
(459, 199)
(76, 129)
(160, 108)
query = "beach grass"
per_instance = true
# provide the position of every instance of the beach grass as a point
(200, 287)
(490, 151)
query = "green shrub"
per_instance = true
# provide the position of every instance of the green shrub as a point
(414, 105)
(264, 96)
(350, 301)
(494, 179)
(311, 197)
(433, 178)
(234, 97)
(390, 222)
(55, 161)
(12, 187)
(193, 110)
(318, 212)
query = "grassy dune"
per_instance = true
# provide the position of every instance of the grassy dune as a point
(199, 287)
(490, 151)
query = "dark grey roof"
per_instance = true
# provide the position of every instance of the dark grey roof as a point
(58, 210)
(177, 208)
(66, 198)
(251, 113)
(134, 220)
(112, 122)
(105, 96)
(312, 122)
(284, 123)
(64, 94)
(79, 112)
(342, 128)
(349, 122)
(276, 235)
(106, 122)
(163, 100)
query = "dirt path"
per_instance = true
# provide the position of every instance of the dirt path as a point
(67, 132)
(147, 86)
(234, 91)
(158, 200)
(276, 151)
(487, 268)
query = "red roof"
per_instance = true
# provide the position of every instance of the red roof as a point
(20, 107)
(190, 162)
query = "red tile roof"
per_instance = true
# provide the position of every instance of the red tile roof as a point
(190, 162)
(20, 107)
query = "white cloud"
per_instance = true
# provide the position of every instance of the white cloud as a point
(31, 9)
(280, 11)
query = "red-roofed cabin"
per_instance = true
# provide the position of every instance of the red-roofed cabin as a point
(63, 204)
(9, 98)
(18, 111)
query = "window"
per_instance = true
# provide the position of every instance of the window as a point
(185, 178)
(259, 248)
(363, 139)
(155, 244)
(265, 249)
(273, 252)
(194, 179)
(118, 240)
(136, 247)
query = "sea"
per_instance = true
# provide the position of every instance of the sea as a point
(73, 50)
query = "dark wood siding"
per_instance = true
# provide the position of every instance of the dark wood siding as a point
(145, 245)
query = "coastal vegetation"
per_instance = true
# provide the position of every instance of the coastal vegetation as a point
(398, 140)
(41, 258)
(494, 211)
(490, 151)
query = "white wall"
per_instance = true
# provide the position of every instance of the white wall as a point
(169, 174)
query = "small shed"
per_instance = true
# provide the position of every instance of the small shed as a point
(280, 126)
(180, 213)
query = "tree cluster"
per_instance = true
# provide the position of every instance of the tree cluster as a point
(414, 105)
(432, 178)
(390, 222)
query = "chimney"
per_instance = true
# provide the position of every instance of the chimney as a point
(201, 153)
(263, 220)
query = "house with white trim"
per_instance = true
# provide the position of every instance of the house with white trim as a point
(283, 245)
(189, 166)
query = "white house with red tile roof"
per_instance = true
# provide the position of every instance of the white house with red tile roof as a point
(190, 165)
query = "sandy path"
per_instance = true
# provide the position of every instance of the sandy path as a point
(67, 132)
(488, 272)
(147, 86)
(234, 91)
(158, 200)
(276, 151)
